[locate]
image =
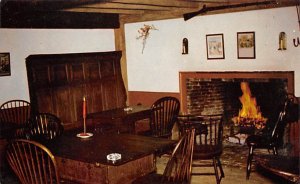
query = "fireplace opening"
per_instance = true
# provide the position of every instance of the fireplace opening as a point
(222, 96)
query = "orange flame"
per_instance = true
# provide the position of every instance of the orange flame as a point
(249, 106)
(250, 112)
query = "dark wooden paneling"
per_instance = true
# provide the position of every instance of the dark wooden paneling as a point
(58, 82)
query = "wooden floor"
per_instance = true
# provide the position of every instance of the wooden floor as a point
(234, 174)
(233, 160)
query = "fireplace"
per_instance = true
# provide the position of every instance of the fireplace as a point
(219, 92)
(205, 93)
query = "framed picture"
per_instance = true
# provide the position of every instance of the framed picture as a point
(246, 45)
(215, 46)
(4, 64)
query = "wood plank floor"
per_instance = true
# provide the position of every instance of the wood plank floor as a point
(233, 160)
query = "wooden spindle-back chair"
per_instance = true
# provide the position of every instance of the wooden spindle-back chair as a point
(164, 115)
(272, 138)
(14, 115)
(178, 168)
(32, 162)
(45, 126)
(209, 145)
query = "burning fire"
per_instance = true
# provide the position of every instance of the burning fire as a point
(250, 114)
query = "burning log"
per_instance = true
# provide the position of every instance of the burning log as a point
(258, 123)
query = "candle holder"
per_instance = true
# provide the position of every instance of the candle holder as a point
(84, 134)
(185, 46)
(282, 41)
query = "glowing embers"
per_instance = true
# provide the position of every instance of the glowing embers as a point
(249, 115)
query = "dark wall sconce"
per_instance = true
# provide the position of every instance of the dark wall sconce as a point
(282, 41)
(185, 46)
(296, 42)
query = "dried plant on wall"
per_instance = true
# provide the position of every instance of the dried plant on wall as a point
(144, 34)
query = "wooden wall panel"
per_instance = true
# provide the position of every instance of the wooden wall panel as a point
(58, 74)
(77, 92)
(95, 93)
(76, 72)
(58, 82)
(61, 103)
(42, 80)
(109, 93)
(91, 71)
(46, 102)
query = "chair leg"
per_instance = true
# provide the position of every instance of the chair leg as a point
(221, 169)
(216, 170)
(249, 161)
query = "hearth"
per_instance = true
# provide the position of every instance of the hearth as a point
(220, 92)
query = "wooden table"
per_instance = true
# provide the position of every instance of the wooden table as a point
(85, 161)
(282, 166)
(124, 120)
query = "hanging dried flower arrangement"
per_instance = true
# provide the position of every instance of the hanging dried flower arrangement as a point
(144, 34)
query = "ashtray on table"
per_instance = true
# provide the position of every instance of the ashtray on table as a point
(113, 157)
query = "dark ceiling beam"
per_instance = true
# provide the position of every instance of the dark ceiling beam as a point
(51, 5)
(24, 14)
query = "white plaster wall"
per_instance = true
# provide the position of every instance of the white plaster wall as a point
(22, 42)
(157, 69)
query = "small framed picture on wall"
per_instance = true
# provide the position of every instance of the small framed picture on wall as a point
(4, 64)
(215, 46)
(246, 45)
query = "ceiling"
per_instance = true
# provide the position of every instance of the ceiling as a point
(109, 13)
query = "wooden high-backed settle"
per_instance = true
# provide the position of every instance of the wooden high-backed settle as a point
(58, 82)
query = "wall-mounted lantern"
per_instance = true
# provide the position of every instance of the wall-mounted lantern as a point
(185, 46)
(282, 41)
(296, 42)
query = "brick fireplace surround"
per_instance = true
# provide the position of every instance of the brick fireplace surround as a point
(215, 82)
